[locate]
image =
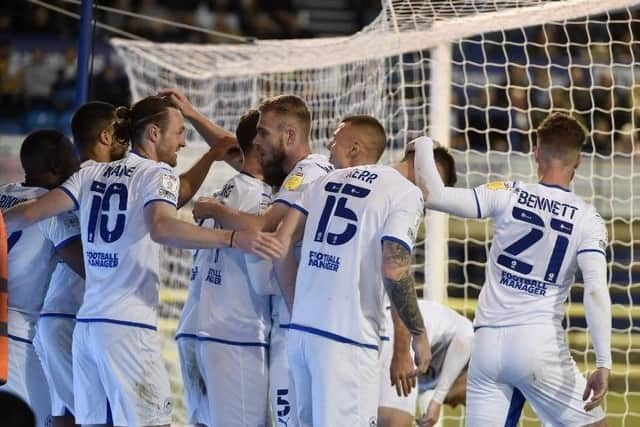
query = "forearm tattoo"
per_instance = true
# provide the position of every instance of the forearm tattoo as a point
(401, 290)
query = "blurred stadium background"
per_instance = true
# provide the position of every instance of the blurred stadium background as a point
(503, 83)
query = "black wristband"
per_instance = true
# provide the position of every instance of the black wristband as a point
(233, 233)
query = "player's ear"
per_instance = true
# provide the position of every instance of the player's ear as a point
(103, 137)
(290, 133)
(153, 132)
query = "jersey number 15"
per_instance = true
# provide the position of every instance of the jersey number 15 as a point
(341, 211)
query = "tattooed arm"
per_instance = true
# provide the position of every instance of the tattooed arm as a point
(399, 284)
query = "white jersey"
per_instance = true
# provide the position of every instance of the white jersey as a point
(442, 325)
(303, 173)
(539, 230)
(66, 288)
(121, 261)
(31, 262)
(350, 212)
(232, 307)
(188, 323)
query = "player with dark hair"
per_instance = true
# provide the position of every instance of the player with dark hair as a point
(47, 159)
(127, 208)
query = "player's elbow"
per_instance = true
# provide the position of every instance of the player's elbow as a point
(159, 232)
(393, 272)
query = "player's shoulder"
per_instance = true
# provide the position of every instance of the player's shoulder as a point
(513, 187)
(307, 170)
(16, 190)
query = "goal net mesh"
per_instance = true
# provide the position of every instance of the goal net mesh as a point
(511, 63)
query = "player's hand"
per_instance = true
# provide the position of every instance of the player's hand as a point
(402, 372)
(204, 208)
(597, 386)
(226, 149)
(180, 100)
(430, 418)
(265, 245)
(422, 353)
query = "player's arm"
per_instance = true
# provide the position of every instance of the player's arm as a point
(399, 284)
(165, 228)
(455, 359)
(207, 207)
(597, 306)
(72, 254)
(50, 204)
(289, 232)
(461, 202)
(402, 369)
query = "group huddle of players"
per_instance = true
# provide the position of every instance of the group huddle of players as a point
(302, 308)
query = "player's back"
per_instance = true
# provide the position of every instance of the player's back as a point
(349, 213)
(31, 257)
(539, 230)
(66, 288)
(121, 260)
(442, 324)
(234, 307)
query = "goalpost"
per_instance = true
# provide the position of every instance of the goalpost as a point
(476, 75)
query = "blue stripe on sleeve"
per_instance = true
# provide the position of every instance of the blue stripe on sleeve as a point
(300, 208)
(592, 250)
(160, 200)
(71, 196)
(398, 241)
(283, 201)
(477, 203)
(67, 241)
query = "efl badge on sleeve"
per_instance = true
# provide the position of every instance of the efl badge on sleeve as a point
(497, 185)
(293, 182)
(169, 183)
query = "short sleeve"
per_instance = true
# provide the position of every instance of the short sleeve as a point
(594, 238)
(404, 219)
(305, 196)
(296, 183)
(492, 197)
(161, 184)
(61, 229)
(72, 188)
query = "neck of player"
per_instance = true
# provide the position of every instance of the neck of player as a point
(555, 174)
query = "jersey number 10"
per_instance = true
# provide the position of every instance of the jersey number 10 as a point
(101, 204)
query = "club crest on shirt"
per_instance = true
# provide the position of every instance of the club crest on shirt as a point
(294, 181)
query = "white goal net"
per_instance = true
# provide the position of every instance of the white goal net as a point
(478, 76)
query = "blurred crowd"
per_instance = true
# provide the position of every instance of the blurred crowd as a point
(504, 83)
